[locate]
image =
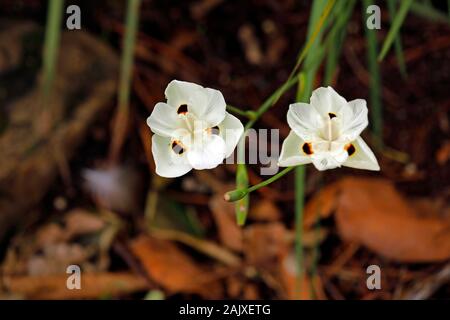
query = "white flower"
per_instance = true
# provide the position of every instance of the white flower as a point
(192, 130)
(327, 132)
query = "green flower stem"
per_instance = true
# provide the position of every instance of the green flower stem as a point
(299, 203)
(132, 22)
(271, 101)
(317, 29)
(121, 119)
(238, 194)
(293, 78)
(248, 113)
(51, 45)
(397, 41)
(375, 82)
(397, 22)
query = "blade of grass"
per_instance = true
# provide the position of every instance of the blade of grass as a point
(428, 12)
(337, 35)
(304, 90)
(51, 44)
(397, 42)
(245, 113)
(126, 68)
(292, 79)
(395, 27)
(313, 34)
(375, 80)
(448, 9)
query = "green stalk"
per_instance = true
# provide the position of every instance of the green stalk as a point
(269, 102)
(448, 9)
(337, 36)
(51, 44)
(248, 113)
(313, 34)
(397, 42)
(126, 69)
(395, 27)
(238, 194)
(375, 81)
(126, 64)
(428, 12)
(292, 79)
(303, 94)
(241, 206)
(300, 173)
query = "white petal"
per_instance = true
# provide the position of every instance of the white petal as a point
(230, 129)
(356, 121)
(179, 92)
(363, 158)
(291, 151)
(215, 110)
(304, 120)
(325, 162)
(205, 103)
(208, 154)
(326, 100)
(168, 164)
(164, 120)
(326, 156)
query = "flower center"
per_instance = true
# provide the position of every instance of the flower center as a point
(330, 131)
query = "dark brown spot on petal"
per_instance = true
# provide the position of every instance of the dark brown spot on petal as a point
(307, 148)
(177, 147)
(331, 115)
(214, 130)
(350, 148)
(182, 109)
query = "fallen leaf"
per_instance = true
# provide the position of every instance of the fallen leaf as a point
(93, 286)
(79, 221)
(264, 210)
(265, 244)
(174, 270)
(295, 289)
(230, 233)
(373, 213)
(443, 154)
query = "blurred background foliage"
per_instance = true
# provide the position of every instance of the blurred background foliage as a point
(77, 182)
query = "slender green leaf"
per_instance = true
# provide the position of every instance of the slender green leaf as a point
(428, 12)
(126, 64)
(375, 80)
(337, 35)
(397, 42)
(51, 44)
(395, 27)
